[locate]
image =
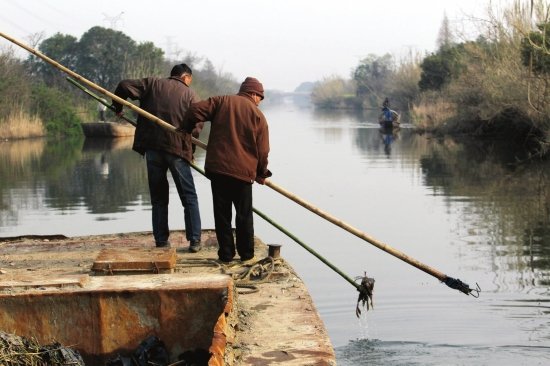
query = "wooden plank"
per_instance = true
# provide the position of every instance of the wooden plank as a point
(29, 282)
(156, 260)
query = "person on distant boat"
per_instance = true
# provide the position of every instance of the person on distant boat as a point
(101, 108)
(168, 99)
(388, 118)
(238, 148)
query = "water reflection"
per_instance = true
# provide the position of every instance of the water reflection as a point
(512, 205)
(338, 115)
(388, 135)
(100, 148)
(101, 175)
(29, 171)
(107, 177)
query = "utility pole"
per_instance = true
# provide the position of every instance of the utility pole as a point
(113, 20)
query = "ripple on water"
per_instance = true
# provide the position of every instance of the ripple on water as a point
(376, 352)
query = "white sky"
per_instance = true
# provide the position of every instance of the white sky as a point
(281, 42)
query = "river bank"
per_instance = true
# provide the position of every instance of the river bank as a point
(511, 127)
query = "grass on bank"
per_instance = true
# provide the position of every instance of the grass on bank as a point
(431, 113)
(18, 125)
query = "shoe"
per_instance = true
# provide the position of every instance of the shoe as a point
(163, 244)
(195, 246)
(221, 261)
(252, 260)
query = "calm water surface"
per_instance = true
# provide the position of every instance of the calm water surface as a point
(463, 210)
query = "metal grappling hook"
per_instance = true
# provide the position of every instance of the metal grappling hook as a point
(457, 284)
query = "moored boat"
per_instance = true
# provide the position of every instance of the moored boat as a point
(104, 295)
(389, 124)
(108, 129)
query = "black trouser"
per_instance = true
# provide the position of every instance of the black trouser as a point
(226, 192)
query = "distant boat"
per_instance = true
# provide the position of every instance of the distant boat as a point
(390, 121)
(108, 129)
(389, 124)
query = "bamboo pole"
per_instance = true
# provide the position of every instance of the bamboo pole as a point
(100, 100)
(449, 281)
(91, 84)
(380, 245)
(258, 212)
(385, 247)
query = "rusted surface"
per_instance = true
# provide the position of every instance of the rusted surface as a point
(111, 315)
(154, 260)
(219, 342)
(274, 250)
(192, 307)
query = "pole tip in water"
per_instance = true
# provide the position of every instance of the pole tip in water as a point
(457, 284)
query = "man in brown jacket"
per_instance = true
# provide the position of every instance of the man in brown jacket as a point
(168, 99)
(238, 147)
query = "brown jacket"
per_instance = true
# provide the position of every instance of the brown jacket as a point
(167, 99)
(238, 145)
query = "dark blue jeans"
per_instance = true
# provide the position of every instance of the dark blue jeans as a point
(158, 163)
(226, 193)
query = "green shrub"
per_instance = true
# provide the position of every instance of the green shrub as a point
(56, 110)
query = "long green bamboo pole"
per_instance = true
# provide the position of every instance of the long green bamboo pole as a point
(100, 100)
(360, 234)
(449, 281)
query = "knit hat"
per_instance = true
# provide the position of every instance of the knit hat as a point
(252, 85)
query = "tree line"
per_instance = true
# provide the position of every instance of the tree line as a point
(34, 90)
(496, 86)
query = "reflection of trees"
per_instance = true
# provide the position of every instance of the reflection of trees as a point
(28, 166)
(335, 115)
(373, 139)
(28, 163)
(63, 175)
(106, 179)
(510, 202)
(16, 157)
(16, 160)
(368, 139)
(536, 248)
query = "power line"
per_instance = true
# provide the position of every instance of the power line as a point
(33, 14)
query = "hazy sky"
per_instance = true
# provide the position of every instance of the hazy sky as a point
(281, 42)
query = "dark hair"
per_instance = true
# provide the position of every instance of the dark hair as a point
(181, 69)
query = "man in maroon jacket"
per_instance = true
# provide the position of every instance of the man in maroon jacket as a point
(168, 99)
(238, 147)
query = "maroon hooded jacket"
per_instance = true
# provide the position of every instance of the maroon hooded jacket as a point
(238, 145)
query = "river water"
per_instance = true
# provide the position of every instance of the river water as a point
(467, 211)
